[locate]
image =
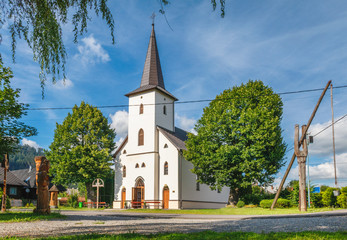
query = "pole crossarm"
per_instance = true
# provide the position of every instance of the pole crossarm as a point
(299, 144)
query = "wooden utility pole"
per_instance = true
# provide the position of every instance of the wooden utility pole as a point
(301, 139)
(333, 129)
(301, 157)
(3, 207)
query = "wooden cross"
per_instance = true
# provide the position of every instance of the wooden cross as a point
(97, 183)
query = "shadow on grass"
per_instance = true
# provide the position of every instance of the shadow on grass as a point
(27, 216)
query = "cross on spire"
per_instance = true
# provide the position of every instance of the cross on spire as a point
(153, 17)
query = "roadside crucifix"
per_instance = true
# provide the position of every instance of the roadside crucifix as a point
(97, 183)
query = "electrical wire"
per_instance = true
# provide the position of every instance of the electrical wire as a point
(181, 102)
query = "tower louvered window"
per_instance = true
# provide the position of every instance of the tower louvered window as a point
(166, 168)
(141, 108)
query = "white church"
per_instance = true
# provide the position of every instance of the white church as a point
(151, 171)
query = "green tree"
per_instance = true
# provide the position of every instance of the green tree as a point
(11, 129)
(81, 149)
(24, 156)
(238, 141)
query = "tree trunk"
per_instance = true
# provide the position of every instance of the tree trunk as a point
(90, 194)
(233, 197)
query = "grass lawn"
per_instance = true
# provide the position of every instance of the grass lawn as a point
(27, 216)
(207, 235)
(233, 211)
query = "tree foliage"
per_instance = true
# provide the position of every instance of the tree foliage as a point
(39, 23)
(11, 129)
(238, 141)
(82, 146)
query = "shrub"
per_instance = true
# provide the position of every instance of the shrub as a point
(250, 206)
(316, 199)
(281, 203)
(344, 190)
(328, 197)
(72, 200)
(240, 204)
(342, 200)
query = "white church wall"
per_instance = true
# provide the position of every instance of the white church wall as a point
(144, 121)
(170, 155)
(164, 120)
(205, 197)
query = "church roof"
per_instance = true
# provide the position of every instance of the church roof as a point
(152, 76)
(121, 146)
(177, 137)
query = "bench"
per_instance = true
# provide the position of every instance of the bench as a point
(93, 204)
(145, 204)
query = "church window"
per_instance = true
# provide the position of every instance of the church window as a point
(125, 151)
(141, 137)
(143, 165)
(141, 108)
(124, 171)
(166, 168)
(197, 184)
(164, 109)
(166, 146)
(137, 165)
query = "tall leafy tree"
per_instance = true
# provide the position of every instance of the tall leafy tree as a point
(11, 129)
(81, 149)
(238, 141)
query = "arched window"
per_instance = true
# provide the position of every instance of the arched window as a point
(137, 165)
(166, 168)
(141, 137)
(125, 151)
(166, 146)
(143, 165)
(164, 109)
(141, 108)
(124, 171)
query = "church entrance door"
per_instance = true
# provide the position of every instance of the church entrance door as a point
(166, 197)
(138, 194)
(123, 197)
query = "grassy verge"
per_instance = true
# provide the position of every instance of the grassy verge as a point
(207, 235)
(78, 209)
(233, 211)
(27, 216)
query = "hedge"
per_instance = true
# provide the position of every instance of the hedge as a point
(281, 203)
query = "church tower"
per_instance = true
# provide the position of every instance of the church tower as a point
(150, 105)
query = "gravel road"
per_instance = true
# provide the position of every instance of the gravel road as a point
(78, 222)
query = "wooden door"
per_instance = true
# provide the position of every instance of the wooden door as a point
(166, 197)
(123, 197)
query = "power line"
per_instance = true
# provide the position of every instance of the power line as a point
(180, 102)
(330, 125)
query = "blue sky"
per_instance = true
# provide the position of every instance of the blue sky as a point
(289, 45)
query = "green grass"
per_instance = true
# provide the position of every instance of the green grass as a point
(233, 211)
(206, 235)
(27, 216)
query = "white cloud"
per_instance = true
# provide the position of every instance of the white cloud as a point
(30, 143)
(185, 123)
(323, 142)
(120, 123)
(61, 84)
(91, 52)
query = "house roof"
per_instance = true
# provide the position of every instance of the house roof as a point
(11, 179)
(152, 76)
(27, 175)
(177, 137)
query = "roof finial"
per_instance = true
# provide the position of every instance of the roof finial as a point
(153, 17)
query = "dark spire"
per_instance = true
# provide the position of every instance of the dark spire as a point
(152, 74)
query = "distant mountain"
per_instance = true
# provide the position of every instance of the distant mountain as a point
(24, 157)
